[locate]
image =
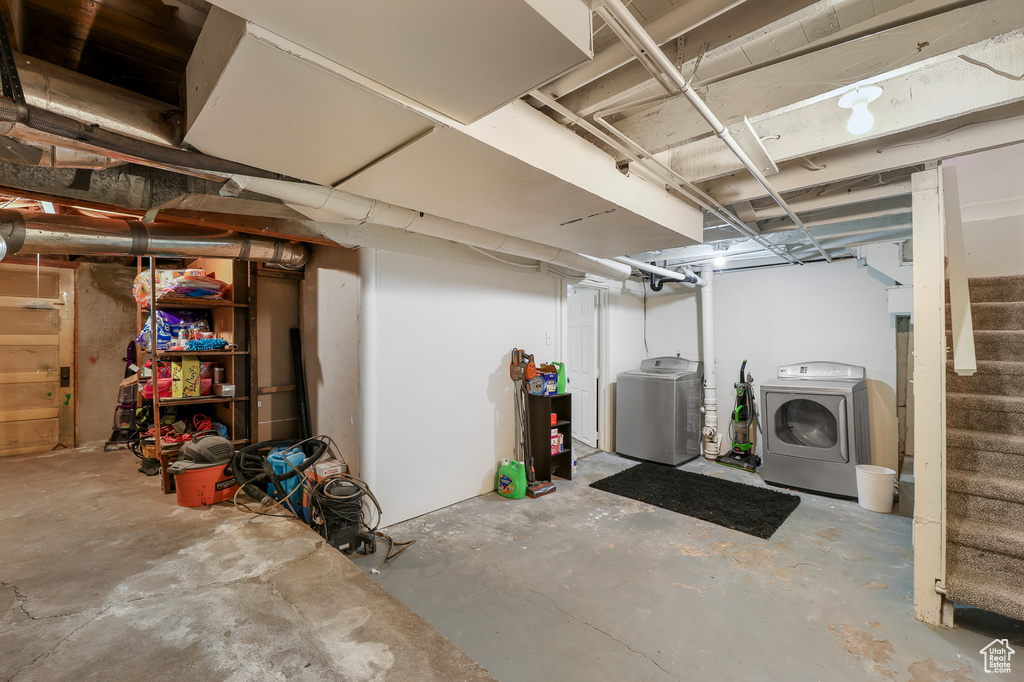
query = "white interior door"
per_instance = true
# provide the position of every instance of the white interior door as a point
(581, 363)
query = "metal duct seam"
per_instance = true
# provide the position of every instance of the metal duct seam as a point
(12, 230)
(66, 234)
(354, 207)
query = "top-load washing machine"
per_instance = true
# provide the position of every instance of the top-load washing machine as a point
(657, 410)
(815, 427)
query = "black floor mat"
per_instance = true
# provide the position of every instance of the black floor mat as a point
(746, 508)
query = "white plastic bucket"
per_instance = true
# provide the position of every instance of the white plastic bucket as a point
(875, 487)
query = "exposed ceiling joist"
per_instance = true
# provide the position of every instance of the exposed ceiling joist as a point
(632, 79)
(941, 90)
(994, 128)
(776, 87)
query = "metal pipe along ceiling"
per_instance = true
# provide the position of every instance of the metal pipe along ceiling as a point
(65, 234)
(356, 208)
(647, 52)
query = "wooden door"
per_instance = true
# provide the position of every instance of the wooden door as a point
(37, 390)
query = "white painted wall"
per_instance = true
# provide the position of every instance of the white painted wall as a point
(444, 399)
(992, 210)
(330, 345)
(995, 247)
(820, 311)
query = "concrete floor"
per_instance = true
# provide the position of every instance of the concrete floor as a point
(105, 578)
(585, 585)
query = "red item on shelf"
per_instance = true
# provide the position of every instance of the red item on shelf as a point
(205, 388)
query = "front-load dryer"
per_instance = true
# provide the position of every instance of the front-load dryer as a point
(815, 422)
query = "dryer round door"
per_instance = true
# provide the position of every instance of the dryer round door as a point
(805, 425)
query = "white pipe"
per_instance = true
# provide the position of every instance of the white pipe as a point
(364, 210)
(681, 19)
(645, 161)
(630, 30)
(710, 441)
(687, 278)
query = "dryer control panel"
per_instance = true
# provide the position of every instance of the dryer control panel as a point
(821, 370)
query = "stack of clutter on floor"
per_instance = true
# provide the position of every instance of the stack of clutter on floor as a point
(518, 477)
(301, 478)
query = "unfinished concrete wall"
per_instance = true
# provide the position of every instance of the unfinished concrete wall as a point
(330, 338)
(106, 323)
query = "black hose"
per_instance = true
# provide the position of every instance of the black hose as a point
(305, 429)
(68, 128)
(657, 284)
(253, 472)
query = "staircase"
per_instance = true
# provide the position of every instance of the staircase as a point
(985, 455)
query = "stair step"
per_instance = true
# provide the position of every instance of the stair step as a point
(984, 289)
(992, 403)
(998, 538)
(997, 414)
(983, 461)
(983, 440)
(987, 485)
(995, 344)
(993, 377)
(985, 580)
(995, 315)
(984, 508)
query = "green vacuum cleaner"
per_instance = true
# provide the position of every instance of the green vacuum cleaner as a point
(743, 427)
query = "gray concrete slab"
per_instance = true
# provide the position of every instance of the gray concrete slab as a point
(585, 585)
(103, 577)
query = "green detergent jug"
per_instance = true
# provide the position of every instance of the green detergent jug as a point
(561, 376)
(512, 479)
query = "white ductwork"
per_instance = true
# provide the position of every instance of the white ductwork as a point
(353, 207)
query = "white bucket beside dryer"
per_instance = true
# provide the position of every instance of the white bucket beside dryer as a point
(815, 424)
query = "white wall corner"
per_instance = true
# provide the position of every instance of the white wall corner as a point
(887, 259)
(901, 300)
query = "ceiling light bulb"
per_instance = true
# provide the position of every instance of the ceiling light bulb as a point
(719, 261)
(857, 100)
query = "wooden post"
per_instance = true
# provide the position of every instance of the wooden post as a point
(929, 399)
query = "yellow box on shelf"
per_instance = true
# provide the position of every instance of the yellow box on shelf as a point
(185, 377)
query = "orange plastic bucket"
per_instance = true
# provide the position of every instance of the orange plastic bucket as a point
(198, 487)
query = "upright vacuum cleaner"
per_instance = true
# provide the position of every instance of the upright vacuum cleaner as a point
(743, 427)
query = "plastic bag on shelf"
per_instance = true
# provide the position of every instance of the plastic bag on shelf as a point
(191, 283)
(168, 324)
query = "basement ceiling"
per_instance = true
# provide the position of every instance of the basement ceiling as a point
(950, 72)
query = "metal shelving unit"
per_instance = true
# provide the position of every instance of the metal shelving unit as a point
(232, 318)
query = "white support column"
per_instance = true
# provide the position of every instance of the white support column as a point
(929, 399)
(368, 366)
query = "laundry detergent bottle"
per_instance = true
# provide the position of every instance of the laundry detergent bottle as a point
(512, 479)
